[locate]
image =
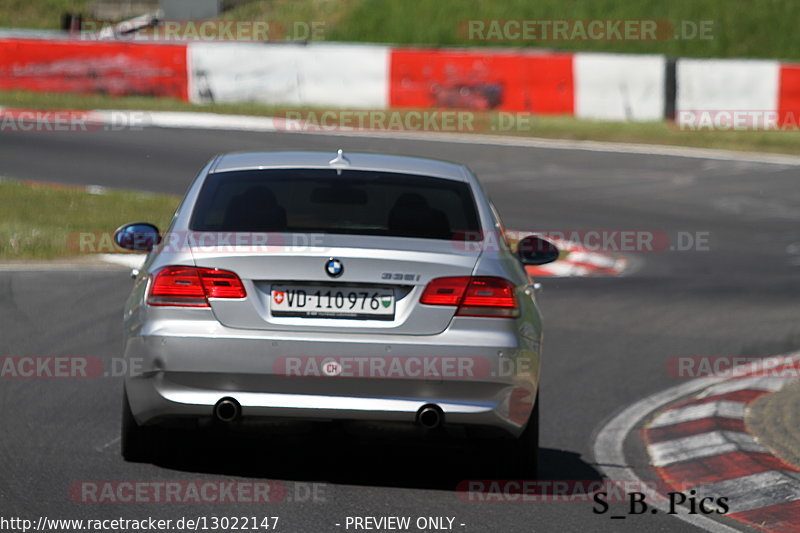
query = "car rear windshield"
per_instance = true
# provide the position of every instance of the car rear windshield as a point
(322, 201)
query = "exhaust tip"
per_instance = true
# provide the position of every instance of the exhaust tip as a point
(227, 410)
(430, 416)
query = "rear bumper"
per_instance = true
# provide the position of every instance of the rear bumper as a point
(486, 381)
(157, 397)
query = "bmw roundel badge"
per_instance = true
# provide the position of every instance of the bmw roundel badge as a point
(334, 267)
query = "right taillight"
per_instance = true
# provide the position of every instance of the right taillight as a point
(185, 286)
(480, 296)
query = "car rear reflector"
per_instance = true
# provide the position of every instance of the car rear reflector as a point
(191, 287)
(445, 291)
(482, 296)
(221, 283)
(520, 405)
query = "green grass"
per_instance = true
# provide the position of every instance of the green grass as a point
(742, 28)
(775, 420)
(39, 14)
(556, 127)
(45, 221)
(36, 100)
(329, 12)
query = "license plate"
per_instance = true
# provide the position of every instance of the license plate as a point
(315, 301)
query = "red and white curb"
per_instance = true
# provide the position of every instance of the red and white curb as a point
(696, 440)
(701, 444)
(581, 262)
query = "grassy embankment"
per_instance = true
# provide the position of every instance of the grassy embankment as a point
(746, 28)
(44, 221)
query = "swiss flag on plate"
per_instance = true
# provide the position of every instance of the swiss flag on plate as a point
(278, 296)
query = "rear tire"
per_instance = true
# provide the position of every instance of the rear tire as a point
(136, 440)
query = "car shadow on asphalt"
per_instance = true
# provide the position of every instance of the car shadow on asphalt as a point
(410, 460)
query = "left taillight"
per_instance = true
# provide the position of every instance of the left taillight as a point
(184, 286)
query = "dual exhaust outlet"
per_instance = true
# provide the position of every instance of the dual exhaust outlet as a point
(429, 416)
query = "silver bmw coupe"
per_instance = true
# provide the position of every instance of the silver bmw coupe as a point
(321, 286)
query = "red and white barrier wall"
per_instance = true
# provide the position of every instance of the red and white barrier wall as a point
(727, 84)
(329, 75)
(115, 68)
(619, 87)
(614, 87)
(764, 86)
(504, 80)
(789, 90)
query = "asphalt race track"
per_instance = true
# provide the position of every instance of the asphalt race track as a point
(607, 340)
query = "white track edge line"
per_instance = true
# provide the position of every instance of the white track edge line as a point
(610, 457)
(201, 120)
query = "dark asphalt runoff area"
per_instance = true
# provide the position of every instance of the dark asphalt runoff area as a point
(607, 340)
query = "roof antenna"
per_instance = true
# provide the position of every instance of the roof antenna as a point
(339, 162)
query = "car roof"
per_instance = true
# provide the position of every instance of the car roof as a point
(351, 161)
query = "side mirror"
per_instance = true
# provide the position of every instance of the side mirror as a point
(138, 237)
(533, 250)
